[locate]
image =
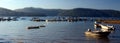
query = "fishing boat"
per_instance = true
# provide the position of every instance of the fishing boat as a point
(107, 28)
(33, 27)
(97, 33)
(103, 27)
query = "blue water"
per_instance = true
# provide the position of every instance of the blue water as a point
(54, 32)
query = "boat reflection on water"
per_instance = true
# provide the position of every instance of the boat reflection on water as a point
(97, 39)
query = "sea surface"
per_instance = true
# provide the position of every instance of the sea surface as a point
(54, 32)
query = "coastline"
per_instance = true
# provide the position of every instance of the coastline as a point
(111, 21)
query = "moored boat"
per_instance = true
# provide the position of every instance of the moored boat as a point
(107, 28)
(103, 27)
(33, 27)
(97, 33)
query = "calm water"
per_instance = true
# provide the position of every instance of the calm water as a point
(54, 32)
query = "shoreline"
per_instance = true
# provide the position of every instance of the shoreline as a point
(111, 21)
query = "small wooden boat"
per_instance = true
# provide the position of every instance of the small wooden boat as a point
(97, 33)
(33, 27)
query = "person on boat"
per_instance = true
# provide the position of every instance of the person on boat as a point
(89, 30)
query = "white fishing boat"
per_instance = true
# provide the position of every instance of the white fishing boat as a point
(103, 27)
(107, 28)
(97, 33)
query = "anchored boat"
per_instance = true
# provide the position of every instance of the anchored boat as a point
(33, 27)
(107, 28)
(97, 33)
(104, 27)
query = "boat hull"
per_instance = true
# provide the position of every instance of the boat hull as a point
(97, 33)
(33, 27)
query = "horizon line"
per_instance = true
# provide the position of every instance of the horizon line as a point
(61, 8)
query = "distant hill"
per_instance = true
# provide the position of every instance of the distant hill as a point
(49, 12)
(81, 12)
(85, 12)
(7, 12)
(113, 13)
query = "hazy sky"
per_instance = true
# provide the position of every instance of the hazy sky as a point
(62, 4)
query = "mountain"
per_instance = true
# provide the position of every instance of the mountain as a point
(7, 12)
(50, 12)
(86, 12)
(81, 12)
(113, 13)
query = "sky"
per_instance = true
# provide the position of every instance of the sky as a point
(61, 4)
